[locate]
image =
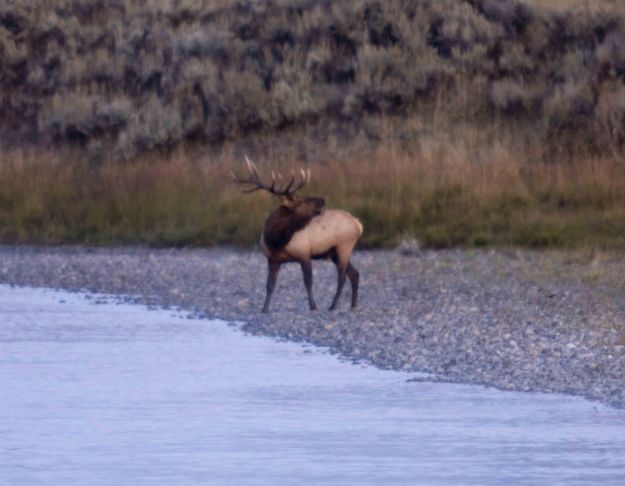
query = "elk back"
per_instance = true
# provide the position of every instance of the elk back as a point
(334, 228)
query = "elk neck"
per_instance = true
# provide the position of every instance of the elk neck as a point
(282, 224)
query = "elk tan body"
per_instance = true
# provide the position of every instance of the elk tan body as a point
(301, 230)
(333, 229)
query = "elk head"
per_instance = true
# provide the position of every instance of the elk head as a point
(294, 211)
(300, 229)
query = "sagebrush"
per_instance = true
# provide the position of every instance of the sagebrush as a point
(121, 78)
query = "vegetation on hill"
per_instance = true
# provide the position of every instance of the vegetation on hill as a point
(137, 76)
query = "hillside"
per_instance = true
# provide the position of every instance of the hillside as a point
(138, 76)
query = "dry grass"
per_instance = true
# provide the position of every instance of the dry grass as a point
(465, 188)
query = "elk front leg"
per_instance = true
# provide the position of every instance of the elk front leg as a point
(272, 276)
(308, 280)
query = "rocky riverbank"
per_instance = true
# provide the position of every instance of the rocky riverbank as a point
(533, 321)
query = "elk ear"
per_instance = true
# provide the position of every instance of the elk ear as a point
(287, 201)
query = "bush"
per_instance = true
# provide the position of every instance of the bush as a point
(512, 97)
(156, 126)
(610, 116)
(569, 109)
(70, 119)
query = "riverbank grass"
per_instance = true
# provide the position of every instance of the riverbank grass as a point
(464, 191)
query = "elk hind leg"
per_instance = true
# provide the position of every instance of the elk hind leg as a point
(308, 281)
(354, 278)
(272, 276)
(341, 268)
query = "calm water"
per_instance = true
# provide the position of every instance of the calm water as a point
(119, 395)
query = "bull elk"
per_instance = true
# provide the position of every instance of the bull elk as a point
(301, 230)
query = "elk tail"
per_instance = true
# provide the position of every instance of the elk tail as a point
(360, 226)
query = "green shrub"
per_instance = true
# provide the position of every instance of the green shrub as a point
(511, 97)
(610, 116)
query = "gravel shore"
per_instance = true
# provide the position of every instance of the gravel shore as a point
(515, 320)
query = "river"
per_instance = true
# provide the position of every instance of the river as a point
(95, 392)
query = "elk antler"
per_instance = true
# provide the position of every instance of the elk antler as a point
(254, 179)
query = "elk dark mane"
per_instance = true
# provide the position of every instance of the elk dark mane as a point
(281, 225)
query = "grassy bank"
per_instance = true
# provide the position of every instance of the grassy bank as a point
(460, 189)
